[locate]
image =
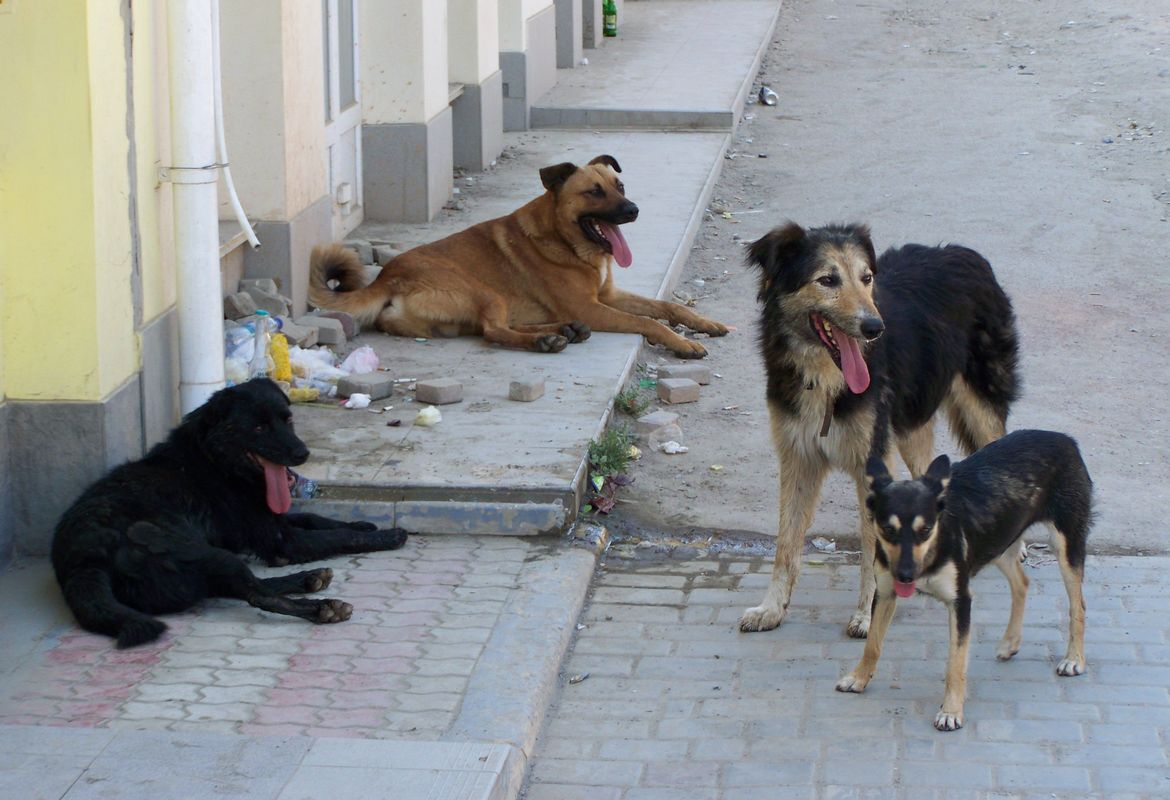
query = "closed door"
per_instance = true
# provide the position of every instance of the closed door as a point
(343, 114)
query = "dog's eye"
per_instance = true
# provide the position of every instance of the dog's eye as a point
(597, 191)
(867, 278)
(261, 428)
(829, 281)
(621, 187)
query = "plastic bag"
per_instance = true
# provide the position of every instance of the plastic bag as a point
(360, 361)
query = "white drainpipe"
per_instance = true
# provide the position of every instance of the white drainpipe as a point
(194, 176)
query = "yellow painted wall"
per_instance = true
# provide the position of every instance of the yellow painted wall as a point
(67, 311)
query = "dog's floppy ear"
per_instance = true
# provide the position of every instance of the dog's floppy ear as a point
(552, 177)
(866, 241)
(610, 160)
(772, 251)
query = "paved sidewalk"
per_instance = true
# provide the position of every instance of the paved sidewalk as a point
(679, 705)
(446, 668)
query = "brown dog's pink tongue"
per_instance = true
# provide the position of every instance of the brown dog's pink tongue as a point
(621, 249)
(852, 363)
(904, 589)
(276, 486)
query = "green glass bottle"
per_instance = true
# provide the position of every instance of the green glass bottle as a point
(609, 18)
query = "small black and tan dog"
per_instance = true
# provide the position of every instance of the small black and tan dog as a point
(158, 535)
(937, 531)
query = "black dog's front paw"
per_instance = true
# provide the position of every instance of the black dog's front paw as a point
(393, 538)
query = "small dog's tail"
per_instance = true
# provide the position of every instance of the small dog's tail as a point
(335, 262)
(90, 597)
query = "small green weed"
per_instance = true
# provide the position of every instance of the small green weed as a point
(631, 401)
(609, 456)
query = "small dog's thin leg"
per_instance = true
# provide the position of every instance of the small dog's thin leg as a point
(858, 627)
(883, 612)
(1074, 659)
(313, 580)
(950, 716)
(1009, 565)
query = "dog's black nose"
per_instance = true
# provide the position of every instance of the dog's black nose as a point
(629, 212)
(872, 327)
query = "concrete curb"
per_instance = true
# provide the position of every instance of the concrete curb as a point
(517, 676)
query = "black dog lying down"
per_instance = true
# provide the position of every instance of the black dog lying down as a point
(159, 535)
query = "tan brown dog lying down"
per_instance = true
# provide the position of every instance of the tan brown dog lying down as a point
(538, 278)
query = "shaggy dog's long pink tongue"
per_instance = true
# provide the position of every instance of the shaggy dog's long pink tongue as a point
(276, 483)
(621, 249)
(904, 589)
(852, 364)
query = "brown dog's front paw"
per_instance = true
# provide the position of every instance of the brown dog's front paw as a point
(576, 332)
(550, 344)
(716, 328)
(688, 348)
(329, 611)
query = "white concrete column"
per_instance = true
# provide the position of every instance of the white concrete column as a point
(272, 56)
(407, 134)
(474, 61)
(528, 56)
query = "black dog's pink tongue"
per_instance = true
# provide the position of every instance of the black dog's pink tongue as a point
(904, 589)
(852, 363)
(276, 483)
(621, 249)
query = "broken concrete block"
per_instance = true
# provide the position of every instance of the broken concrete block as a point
(648, 423)
(677, 390)
(238, 306)
(267, 285)
(300, 335)
(439, 391)
(526, 391)
(699, 373)
(271, 302)
(329, 330)
(383, 253)
(376, 384)
(349, 325)
(363, 249)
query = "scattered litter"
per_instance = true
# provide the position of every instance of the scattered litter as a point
(767, 96)
(716, 467)
(579, 678)
(717, 375)
(387, 408)
(581, 626)
(635, 453)
(1037, 554)
(730, 408)
(375, 410)
(302, 487)
(361, 361)
(428, 417)
(358, 400)
(584, 62)
(394, 423)
(824, 545)
(673, 448)
(420, 339)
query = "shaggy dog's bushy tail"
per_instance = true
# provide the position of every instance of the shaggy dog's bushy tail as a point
(335, 262)
(90, 597)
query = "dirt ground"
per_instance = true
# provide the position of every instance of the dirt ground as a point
(1035, 132)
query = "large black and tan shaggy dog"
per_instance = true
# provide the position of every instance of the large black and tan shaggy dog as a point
(857, 348)
(159, 535)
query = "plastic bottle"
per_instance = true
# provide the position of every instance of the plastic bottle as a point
(261, 364)
(609, 18)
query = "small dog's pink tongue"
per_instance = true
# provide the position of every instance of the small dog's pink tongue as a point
(276, 483)
(621, 249)
(852, 363)
(904, 589)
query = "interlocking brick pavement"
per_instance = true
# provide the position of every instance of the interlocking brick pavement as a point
(398, 668)
(679, 705)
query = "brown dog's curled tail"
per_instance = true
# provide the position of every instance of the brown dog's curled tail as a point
(335, 262)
